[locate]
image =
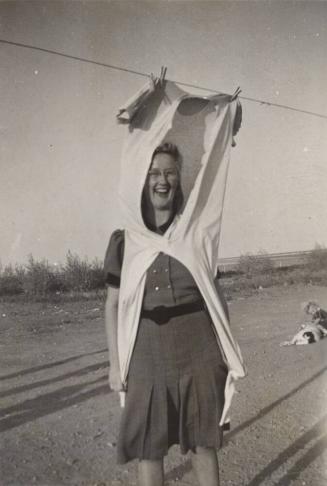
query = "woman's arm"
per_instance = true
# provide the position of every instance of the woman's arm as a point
(111, 320)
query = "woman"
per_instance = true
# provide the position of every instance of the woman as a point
(176, 378)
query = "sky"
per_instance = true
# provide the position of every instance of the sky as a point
(60, 143)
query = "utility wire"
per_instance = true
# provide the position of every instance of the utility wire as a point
(145, 75)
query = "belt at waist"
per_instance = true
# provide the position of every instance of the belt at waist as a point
(161, 314)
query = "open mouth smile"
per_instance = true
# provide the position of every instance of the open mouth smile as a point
(162, 191)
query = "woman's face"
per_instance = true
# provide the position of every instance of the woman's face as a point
(162, 182)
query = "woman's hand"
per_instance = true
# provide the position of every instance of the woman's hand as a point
(115, 382)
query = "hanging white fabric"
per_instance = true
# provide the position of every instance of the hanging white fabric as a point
(202, 128)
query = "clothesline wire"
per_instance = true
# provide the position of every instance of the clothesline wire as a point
(145, 75)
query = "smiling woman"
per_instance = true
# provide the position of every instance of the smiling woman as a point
(171, 350)
(162, 192)
(168, 383)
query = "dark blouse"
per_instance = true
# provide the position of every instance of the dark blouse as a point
(168, 282)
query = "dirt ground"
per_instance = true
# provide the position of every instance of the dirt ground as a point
(59, 421)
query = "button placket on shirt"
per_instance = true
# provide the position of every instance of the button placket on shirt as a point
(167, 274)
(154, 278)
(160, 275)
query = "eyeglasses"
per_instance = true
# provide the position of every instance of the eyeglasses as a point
(156, 173)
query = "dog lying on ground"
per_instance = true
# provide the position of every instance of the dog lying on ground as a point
(310, 332)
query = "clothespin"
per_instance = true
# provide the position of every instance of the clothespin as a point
(162, 75)
(235, 95)
(159, 81)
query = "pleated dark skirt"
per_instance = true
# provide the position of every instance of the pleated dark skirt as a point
(175, 390)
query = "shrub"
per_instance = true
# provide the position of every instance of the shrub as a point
(317, 258)
(249, 264)
(97, 277)
(11, 280)
(40, 277)
(81, 275)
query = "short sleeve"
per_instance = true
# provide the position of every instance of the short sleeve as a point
(114, 259)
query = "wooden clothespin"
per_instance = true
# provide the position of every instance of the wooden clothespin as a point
(159, 81)
(235, 95)
(162, 75)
